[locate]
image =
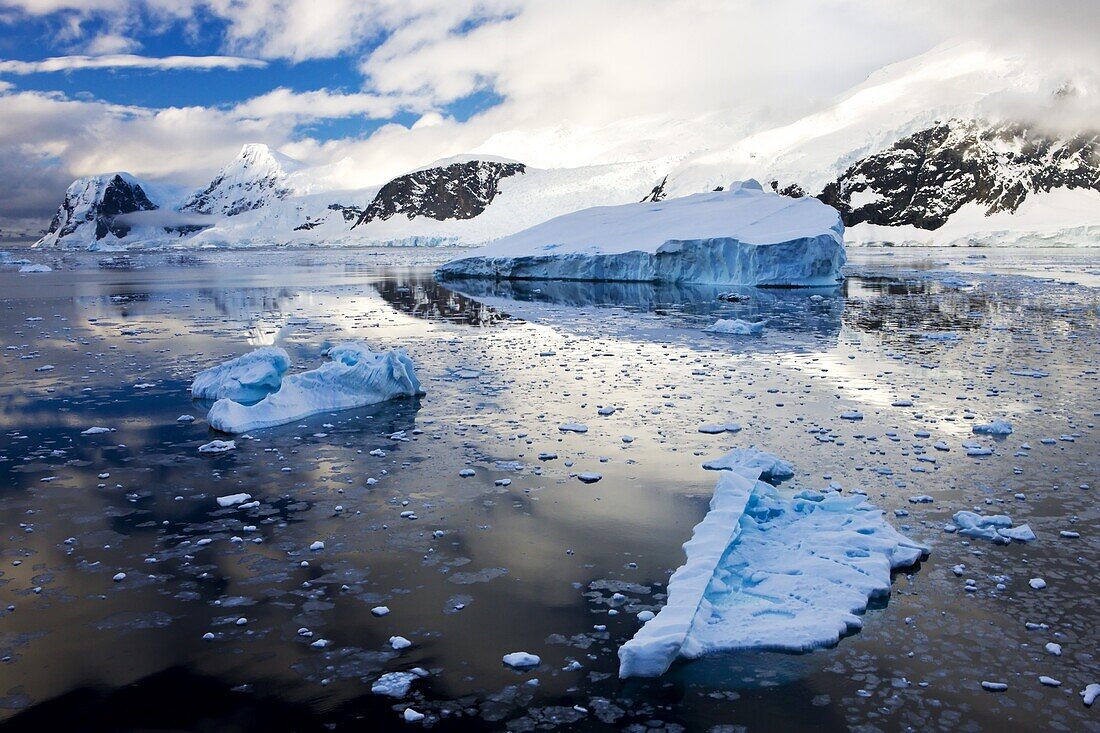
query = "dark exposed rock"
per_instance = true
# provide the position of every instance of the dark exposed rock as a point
(658, 193)
(455, 191)
(120, 195)
(926, 177)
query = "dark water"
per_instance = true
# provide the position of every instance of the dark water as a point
(532, 564)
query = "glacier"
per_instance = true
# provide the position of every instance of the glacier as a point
(355, 377)
(247, 378)
(739, 236)
(770, 569)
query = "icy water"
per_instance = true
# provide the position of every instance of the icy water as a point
(523, 556)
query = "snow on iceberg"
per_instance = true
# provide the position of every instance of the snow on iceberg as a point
(741, 236)
(355, 377)
(247, 378)
(769, 569)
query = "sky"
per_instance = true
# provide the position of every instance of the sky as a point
(169, 90)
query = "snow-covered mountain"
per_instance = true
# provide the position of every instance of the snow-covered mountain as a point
(92, 209)
(922, 151)
(256, 178)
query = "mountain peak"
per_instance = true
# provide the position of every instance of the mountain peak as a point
(252, 180)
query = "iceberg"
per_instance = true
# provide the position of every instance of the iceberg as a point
(735, 327)
(247, 378)
(355, 377)
(994, 527)
(770, 570)
(740, 236)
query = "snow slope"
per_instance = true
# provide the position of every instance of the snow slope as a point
(742, 236)
(768, 569)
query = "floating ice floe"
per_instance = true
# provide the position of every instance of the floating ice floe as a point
(355, 377)
(96, 430)
(741, 236)
(32, 268)
(997, 427)
(247, 378)
(396, 684)
(994, 527)
(770, 570)
(772, 468)
(735, 327)
(521, 660)
(218, 446)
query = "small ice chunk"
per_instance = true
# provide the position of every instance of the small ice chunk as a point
(589, 478)
(393, 684)
(718, 428)
(412, 716)
(318, 545)
(1090, 693)
(380, 610)
(233, 499)
(735, 327)
(1037, 583)
(218, 446)
(522, 660)
(400, 642)
(573, 427)
(994, 686)
(96, 430)
(997, 427)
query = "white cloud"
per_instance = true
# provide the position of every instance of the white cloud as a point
(127, 61)
(325, 104)
(111, 43)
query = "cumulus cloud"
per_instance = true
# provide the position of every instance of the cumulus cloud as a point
(127, 61)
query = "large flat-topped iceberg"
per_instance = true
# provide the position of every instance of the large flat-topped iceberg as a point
(355, 377)
(770, 569)
(742, 236)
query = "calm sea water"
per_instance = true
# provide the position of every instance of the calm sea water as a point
(522, 555)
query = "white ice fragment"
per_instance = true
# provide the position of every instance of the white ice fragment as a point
(380, 610)
(1049, 681)
(994, 686)
(317, 545)
(400, 642)
(247, 378)
(1053, 648)
(997, 427)
(412, 716)
(718, 428)
(232, 499)
(573, 427)
(851, 415)
(1090, 693)
(393, 684)
(522, 660)
(1037, 583)
(735, 327)
(589, 478)
(355, 377)
(96, 430)
(218, 446)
